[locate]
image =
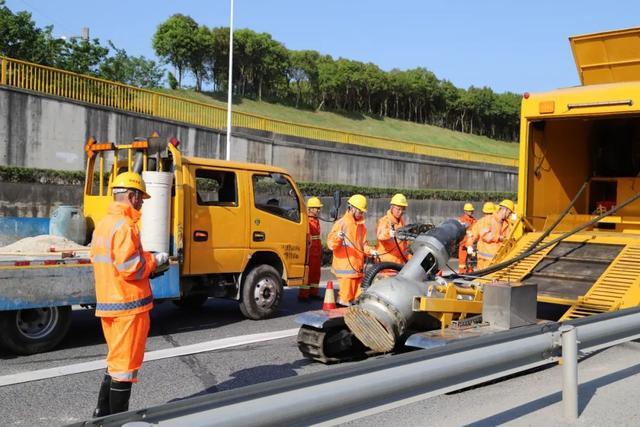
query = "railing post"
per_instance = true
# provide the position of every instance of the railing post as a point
(3, 71)
(569, 371)
(155, 105)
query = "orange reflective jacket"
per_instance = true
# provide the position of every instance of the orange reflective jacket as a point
(387, 248)
(348, 254)
(120, 265)
(489, 232)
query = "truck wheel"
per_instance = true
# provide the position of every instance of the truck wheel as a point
(261, 292)
(190, 302)
(34, 330)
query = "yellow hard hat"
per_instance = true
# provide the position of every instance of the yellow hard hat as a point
(488, 208)
(359, 202)
(399, 200)
(468, 207)
(506, 203)
(314, 202)
(131, 181)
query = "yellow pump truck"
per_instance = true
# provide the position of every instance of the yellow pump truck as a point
(234, 230)
(577, 236)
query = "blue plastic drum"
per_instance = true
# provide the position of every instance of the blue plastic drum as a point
(69, 222)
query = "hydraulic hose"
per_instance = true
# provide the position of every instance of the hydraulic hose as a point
(377, 268)
(526, 254)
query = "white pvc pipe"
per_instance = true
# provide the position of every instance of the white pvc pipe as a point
(154, 231)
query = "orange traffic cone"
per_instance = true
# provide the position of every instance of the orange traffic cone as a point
(329, 297)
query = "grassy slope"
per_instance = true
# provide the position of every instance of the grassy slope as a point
(386, 128)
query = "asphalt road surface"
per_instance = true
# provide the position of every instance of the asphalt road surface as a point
(610, 384)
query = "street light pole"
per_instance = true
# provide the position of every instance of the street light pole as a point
(230, 88)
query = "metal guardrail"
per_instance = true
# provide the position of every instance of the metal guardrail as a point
(92, 90)
(349, 392)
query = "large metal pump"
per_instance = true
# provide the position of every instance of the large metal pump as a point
(384, 311)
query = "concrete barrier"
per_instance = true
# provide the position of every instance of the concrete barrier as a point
(48, 132)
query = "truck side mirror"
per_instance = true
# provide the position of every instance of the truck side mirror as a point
(336, 204)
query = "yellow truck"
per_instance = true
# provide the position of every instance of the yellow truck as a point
(579, 159)
(233, 230)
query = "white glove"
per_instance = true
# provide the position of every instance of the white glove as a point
(374, 254)
(392, 233)
(341, 235)
(161, 258)
(470, 250)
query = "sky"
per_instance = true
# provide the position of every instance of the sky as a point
(508, 45)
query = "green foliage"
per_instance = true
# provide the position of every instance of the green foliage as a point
(176, 42)
(50, 176)
(20, 38)
(42, 176)
(264, 68)
(82, 56)
(171, 79)
(132, 70)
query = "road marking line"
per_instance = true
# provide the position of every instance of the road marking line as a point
(166, 353)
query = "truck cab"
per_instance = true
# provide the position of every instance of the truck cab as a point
(237, 230)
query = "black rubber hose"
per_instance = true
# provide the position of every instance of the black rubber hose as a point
(371, 273)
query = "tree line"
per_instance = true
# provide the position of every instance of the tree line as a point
(265, 69)
(20, 38)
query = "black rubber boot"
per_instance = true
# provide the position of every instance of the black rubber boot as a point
(119, 396)
(103, 408)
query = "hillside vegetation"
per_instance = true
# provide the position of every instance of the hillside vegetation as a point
(363, 124)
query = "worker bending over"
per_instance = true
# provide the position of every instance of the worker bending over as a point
(489, 233)
(348, 241)
(389, 247)
(468, 219)
(123, 293)
(311, 289)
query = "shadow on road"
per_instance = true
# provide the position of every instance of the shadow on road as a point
(586, 392)
(251, 376)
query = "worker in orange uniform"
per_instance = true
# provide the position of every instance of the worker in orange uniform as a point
(123, 293)
(468, 219)
(489, 233)
(311, 289)
(348, 241)
(389, 247)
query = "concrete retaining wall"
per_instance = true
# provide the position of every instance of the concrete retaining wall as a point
(48, 132)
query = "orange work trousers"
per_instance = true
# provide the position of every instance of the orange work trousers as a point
(126, 338)
(349, 289)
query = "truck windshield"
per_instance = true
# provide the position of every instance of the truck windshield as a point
(276, 196)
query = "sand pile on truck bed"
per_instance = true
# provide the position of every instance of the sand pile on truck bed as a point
(45, 243)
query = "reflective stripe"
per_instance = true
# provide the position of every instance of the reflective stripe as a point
(344, 271)
(484, 255)
(140, 272)
(128, 263)
(124, 376)
(114, 230)
(117, 306)
(315, 237)
(102, 259)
